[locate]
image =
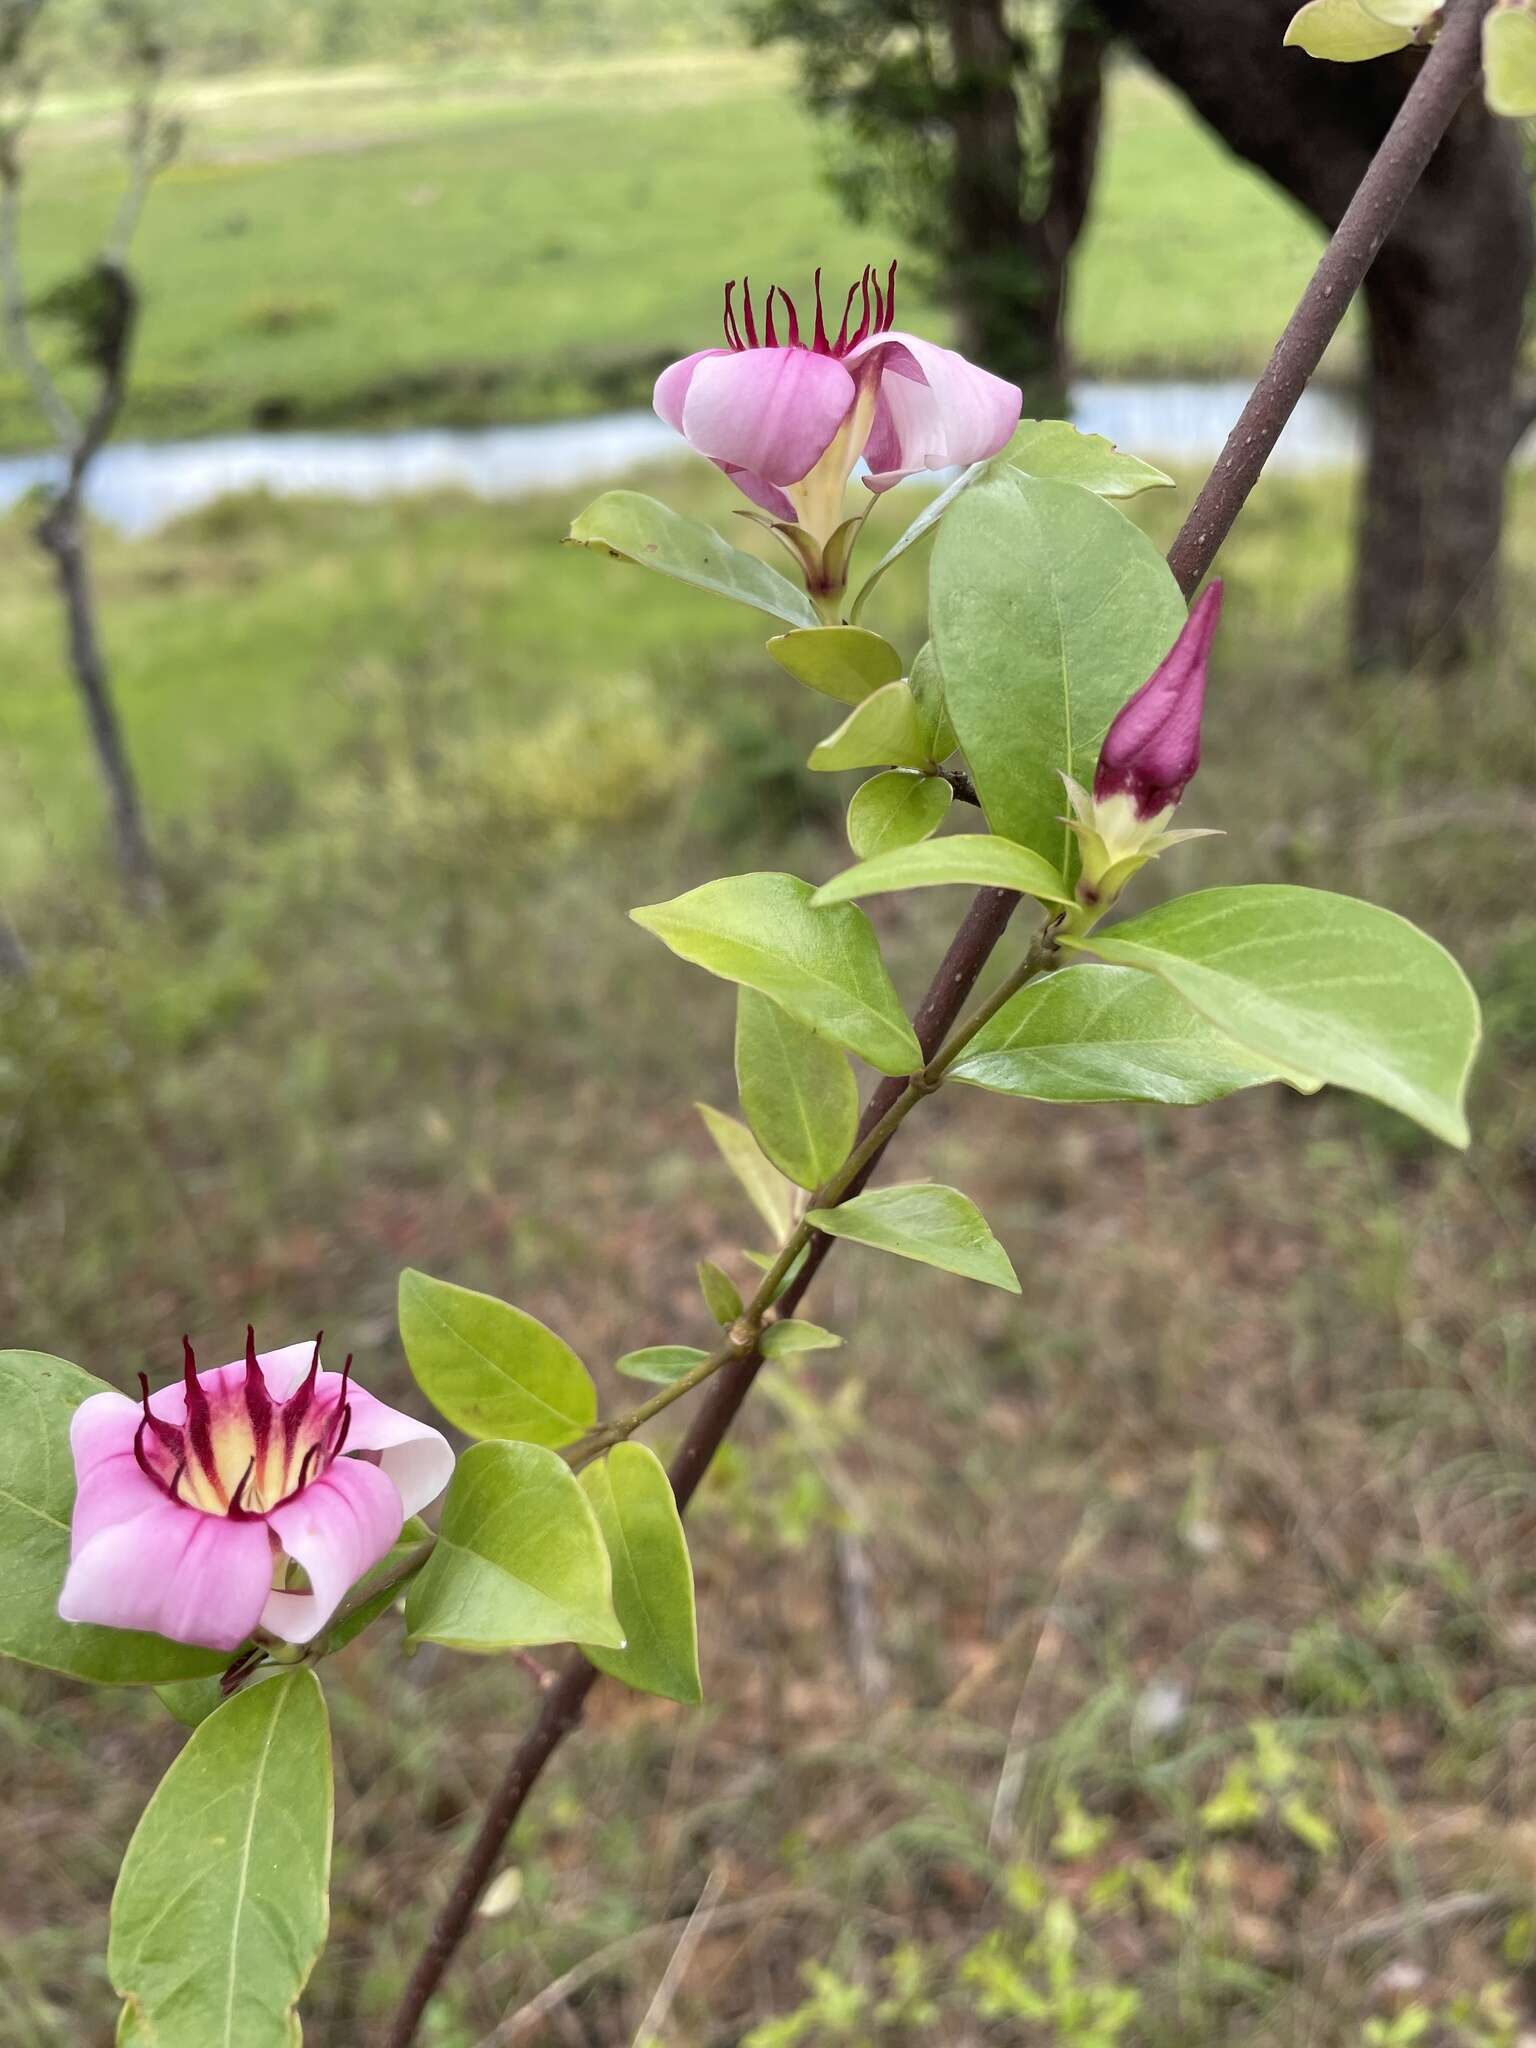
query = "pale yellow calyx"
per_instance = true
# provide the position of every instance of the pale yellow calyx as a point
(818, 497)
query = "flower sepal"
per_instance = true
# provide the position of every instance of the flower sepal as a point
(823, 564)
(1114, 845)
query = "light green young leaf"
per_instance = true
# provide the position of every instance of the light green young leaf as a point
(660, 1364)
(652, 1576)
(1055, 448)
(1049, 609)
(1109, 1034)
(766, 1187)
(38, 1395)
(898, 808)
(845, 662)
(825, 969)
(937, 1225)
(977, 859)
(722, 1297)
(642, 530)
(1509, 62)
(924, 523)
(221, 1904)
(491, 1369)
(1344, 991)
(926, 683)
(519, 1558)
(784, 1339)
(1346, 31)
(797, 1090)
(884, 731)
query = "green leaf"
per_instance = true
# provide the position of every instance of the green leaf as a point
(760, 931)
(1344, 991)
(491, 1369)
(766, 1261)
(766, 1187)
(784, 1339)
(1109, 1034)
(642, 530)
(221, 1906)
(38, 1395)
(1509, 62)
(898, 808)
(1055, 448)
(937, 1225)
(926, 683)
(975, 858)
(885, 730)
(652, 1576)
(1345, 32)
(661, 1364)
(923, 524)
(1049, 610)
(519, 1558)
(845, 662)
(798, 1091)
(721, 1295)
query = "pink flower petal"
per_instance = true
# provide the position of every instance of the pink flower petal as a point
(935, 408)
(417, 1458)
(672, 386)
(337, 1529)
(195, 1578)
(769, 411)
(769, 496)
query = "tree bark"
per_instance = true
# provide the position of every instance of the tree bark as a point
(1445, 301)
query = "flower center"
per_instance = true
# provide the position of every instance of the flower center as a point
(239, 1452)
(877, 311)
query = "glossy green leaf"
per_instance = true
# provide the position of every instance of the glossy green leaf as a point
(221, 1905)
(1345, 31)
(660, 1364)
(975, 858)
(926, 683)
(519, 1558)
(38, 1395)
(784, 1339)
(652, 1575)
(766, 1187)
(845, 662)
(1509, 62)
(936, 1225)
(1055, 448)
(1049, 610)
(898, 808)
(1341, 990)
(642, 530)
(1108, 1034)
(884, 731)
(798, 1091)
(824, 968)
(491, 1369)
(721, 1295)
(921, 526)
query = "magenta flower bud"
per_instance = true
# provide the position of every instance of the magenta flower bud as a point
(1153, 747)
(190, 1504)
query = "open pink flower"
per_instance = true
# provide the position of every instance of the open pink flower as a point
(193, 1506)
(788, 419)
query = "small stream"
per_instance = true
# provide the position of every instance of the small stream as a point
(140, 486)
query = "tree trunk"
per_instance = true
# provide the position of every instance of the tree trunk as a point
(14, 965)
(1445, 300)
(58, 533)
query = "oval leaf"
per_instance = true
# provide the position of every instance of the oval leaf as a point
(765, 1186)
(885, 730)
(643, 530)
(898, 808)
(761, 931)
(221, 1904)
(652, 1576)
(519, 1558)
(1055, 448)
(721, 1295)
(660, 1364)
(491, 1369)
(798, 1091)
(844, 662)
(1108, 1034)
(38, 1395)
(975, 858)
(1341, 990)
(784, 1339)
(937, 1225)
(1049, 609)
(1345, 32)
(1509, 62)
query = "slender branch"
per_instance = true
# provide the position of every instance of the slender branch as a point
(1437, 92)
(50, 401)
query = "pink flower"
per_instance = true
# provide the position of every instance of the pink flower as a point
(193, 1506)
(1152, 749)
(787, 420)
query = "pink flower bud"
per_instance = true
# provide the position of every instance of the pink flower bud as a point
(1153, 747)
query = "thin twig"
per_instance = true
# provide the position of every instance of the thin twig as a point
(699, 1921)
